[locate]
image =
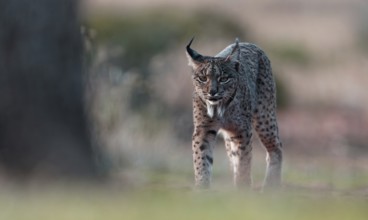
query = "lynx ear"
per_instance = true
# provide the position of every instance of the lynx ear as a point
(194, 58)
(234, 52)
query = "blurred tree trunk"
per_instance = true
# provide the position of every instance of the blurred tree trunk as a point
(43, 129)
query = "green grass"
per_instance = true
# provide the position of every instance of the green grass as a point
(317, 189)
(175, 204)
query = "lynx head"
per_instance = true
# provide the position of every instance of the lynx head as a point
(215, 79)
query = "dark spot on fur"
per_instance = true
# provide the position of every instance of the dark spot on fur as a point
(210, 159)
(202, 147)
(212, 132)
(259, 81)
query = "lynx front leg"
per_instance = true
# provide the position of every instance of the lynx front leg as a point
(239, 150)
(202, 145)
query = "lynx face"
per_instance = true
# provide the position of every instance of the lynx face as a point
(215, 81)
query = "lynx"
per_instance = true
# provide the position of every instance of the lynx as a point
(234, 94)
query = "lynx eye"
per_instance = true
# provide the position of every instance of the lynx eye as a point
(223, 79)
(202, 79)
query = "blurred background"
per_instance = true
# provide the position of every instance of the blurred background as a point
(142, 91)
(102, 90)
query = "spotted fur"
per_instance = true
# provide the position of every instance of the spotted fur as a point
(234, 94)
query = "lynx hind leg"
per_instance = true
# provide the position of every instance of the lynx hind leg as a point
(266, 127)
(202, 146)
(239, 150)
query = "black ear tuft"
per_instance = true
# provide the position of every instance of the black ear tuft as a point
(233, 51)
(189, 50)
(194, 58)
(236, 46)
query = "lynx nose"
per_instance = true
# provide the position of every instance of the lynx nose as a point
(213, 92)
